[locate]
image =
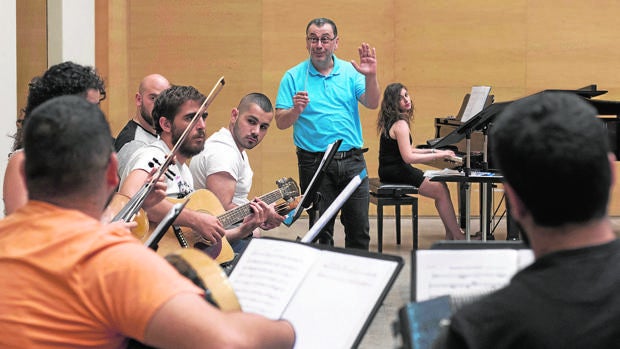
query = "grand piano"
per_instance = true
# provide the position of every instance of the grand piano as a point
(609, 113)
(452, 133)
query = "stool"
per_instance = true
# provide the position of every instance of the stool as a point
(386, 194)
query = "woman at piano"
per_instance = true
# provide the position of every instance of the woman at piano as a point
(397, 154)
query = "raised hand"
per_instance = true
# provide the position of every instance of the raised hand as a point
(368, 60)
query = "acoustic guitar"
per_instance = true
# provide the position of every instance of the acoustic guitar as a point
(205, 273)
(205, 201)
(116, 204)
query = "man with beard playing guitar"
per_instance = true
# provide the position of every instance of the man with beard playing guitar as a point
(174, 109)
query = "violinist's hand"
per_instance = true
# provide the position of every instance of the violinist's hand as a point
(123, 225)
(158, 193)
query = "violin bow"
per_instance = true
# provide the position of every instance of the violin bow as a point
(132, 207)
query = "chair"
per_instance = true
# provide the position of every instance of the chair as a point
(396, 194)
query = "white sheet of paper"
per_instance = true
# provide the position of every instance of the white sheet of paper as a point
(477, 99)
(268, 275)
(327, 296)
(337, 297)
(465, 272)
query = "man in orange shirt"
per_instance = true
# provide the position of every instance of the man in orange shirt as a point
(70, 281)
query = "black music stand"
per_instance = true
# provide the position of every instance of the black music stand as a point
(309, 197)
(478, 122)
(153, 241)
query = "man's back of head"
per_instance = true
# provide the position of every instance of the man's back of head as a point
(554, 152)
(68, 143)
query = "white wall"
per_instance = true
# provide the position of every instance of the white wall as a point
(8, 83)
(72, 39)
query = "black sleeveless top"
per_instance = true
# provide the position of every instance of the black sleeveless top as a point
(392, 167)
(389, 154)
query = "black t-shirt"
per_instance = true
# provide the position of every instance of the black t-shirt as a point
(566, 299)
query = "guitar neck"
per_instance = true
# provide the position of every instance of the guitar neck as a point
(238, 213)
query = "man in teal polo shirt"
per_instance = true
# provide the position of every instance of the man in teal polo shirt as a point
(319, 98)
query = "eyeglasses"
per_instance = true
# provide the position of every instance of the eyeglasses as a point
(324, 40)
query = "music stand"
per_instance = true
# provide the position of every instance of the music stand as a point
(479, 121)
(334, 207)
(159, 232)
(309, 195)
(464, 130)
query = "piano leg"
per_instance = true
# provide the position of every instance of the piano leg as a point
(461, 198)
(486, 207)
(513, 230)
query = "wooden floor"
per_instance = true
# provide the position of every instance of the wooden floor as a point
(380, 333)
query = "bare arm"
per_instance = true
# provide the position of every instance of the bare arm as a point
(368, 67)
(411, 155)
(222, 185)
(370, 99)
(207, 225)
(187, 321)
(285, 118)
(14, 188)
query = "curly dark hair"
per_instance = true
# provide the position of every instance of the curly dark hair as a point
(390, 109)
(65, 78)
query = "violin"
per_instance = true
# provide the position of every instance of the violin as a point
(131, 208)
(116, 204)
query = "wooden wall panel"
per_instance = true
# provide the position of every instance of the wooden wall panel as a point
(111, 59)
(438, 49)
(31, 48)
(284, 47)
(573, 46)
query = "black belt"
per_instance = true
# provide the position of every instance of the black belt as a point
(339, 155)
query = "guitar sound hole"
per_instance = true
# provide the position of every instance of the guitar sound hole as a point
(201, 246)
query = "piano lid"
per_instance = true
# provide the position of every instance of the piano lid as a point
(605, 107)
(586, 91)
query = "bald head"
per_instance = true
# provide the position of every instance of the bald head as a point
(153, 81)
(150, 87)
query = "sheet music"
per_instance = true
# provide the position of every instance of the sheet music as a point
(477, 99)
(444, 172)
(340, 293)
(466, 272)
(328, 296)
(267, 277)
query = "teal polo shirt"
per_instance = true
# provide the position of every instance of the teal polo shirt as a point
(333, 111)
